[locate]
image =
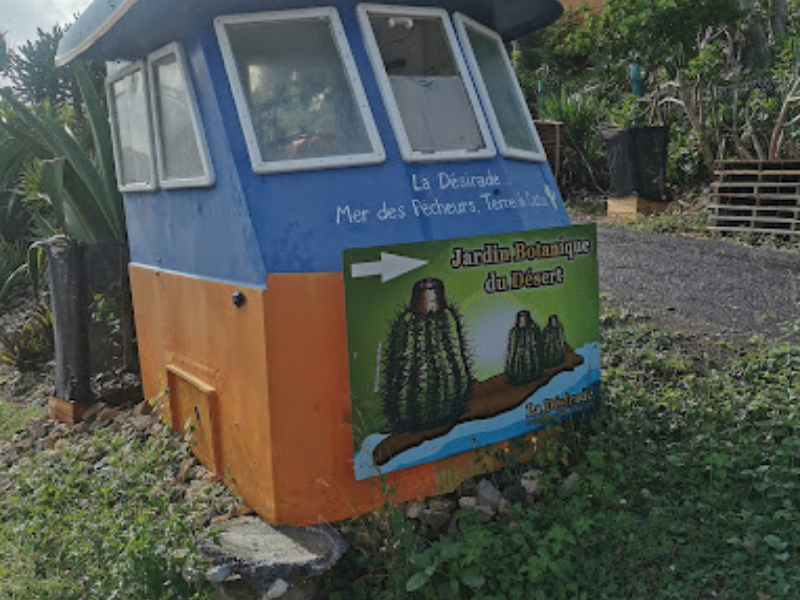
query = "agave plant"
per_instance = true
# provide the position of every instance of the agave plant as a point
(79, 183)
(581, 115)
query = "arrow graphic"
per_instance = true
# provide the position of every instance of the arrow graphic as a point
(390, 266)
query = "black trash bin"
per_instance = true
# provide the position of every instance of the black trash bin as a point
(637, 159)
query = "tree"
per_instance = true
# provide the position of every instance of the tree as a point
(79, 183)
(36, 80)
(4, 58)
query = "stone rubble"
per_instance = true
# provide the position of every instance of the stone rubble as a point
(255, 561)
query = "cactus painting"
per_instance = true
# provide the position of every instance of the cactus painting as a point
(426, 371)
(555, 344)
(444, 359)
(524, 357)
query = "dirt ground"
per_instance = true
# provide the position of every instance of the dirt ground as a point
(708, 286)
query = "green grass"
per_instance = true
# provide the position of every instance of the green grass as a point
(99, 517)
(13, 417)
(689, 489)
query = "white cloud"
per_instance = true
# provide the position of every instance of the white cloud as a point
(20, 18)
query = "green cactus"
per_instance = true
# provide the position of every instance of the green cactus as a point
(524, 362)
(426, 370)
(555, 344)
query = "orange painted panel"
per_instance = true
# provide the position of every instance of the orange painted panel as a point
(281, 409)
(192, 325)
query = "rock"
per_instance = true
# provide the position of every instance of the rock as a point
(484, 513)
(206, 476)
(142, 422)
(435, 520)
(262, 554)
(143, 409)
(241, 510)
(414, 509)
(467, 502)
(218, 574)
(467, 488)
(24, 445)
(92, 413)
(278, 589)
(530, 483)
(442, 505)
(108, 414)
(569, 483)
(186, 469)
(38, 431)
(196, 487)
(488, 495)
(504, 507)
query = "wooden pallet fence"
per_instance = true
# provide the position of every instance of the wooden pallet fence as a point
(756, 197)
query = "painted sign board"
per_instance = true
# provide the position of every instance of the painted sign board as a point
(458, 344)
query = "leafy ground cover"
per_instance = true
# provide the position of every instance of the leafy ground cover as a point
(688, 488)
(686, 485)
(13, 417)
(99, 513)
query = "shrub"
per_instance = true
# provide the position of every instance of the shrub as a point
(30, 344)
(584, 163)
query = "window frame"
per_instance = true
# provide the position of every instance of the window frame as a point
(463, 22)
(208, 178)
(330, 15)
(390, 101)
(127, 71)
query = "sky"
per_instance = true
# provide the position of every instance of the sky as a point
(20, 18)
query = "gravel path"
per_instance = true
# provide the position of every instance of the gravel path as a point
(709, 285)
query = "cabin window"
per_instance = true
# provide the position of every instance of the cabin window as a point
(130, 121)
(425, 84)
(181, 153)
(300, 99)
(499, 90)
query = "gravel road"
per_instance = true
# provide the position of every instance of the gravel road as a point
(710, 285)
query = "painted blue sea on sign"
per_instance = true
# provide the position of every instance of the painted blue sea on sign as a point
(581, 386)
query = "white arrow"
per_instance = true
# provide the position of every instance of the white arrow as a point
(390, 266)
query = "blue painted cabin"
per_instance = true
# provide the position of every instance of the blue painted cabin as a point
(255, 141)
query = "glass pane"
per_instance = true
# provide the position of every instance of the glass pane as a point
(430, 94)
(503, 93)
(300, 100)
(133, 131)
(180, 148)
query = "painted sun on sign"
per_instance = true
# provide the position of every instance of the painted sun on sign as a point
(454, 345)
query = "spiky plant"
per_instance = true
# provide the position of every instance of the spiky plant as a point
(427, 372)
(555, 344)
(524, 361)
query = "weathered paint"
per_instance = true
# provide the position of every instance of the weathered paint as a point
(129, 29)
(269, 381)
(250, 225)
(278, 369)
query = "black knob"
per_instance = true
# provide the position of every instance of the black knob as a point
(239, 299)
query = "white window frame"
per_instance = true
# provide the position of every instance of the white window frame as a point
(410, 155)
(121, 74)
(260, 166)
(462, 23)
(208, 178)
